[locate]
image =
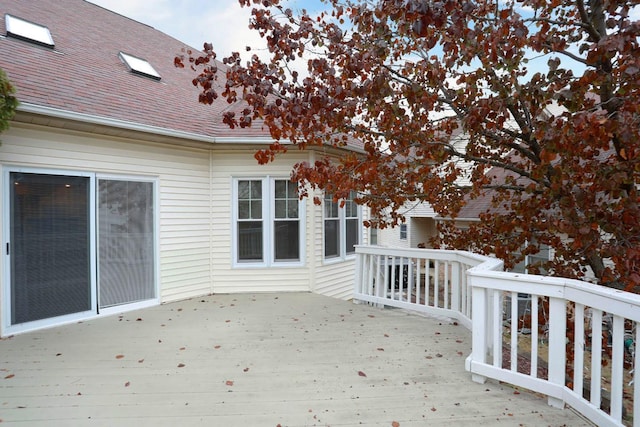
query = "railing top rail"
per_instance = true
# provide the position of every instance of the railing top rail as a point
(613, 301)
(469, 258)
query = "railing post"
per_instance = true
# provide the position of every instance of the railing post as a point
(478, 330)
(557, 346)
(359, 285)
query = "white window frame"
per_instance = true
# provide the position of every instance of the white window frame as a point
(342, 233)
(268, 228)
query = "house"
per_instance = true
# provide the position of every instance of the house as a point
(121, 191)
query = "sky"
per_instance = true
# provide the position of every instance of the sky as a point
(222, 22)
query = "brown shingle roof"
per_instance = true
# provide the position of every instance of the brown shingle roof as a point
(83, 74)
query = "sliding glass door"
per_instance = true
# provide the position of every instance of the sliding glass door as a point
(76, 245)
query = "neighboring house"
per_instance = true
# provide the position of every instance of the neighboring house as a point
(421, 220)
(121, 191)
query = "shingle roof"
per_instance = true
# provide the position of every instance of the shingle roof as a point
(83, 74)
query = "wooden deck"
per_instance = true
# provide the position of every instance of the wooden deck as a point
(257, 360)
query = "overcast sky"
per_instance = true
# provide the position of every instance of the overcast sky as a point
(221, 22)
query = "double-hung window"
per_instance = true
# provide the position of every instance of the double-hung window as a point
(341, 226)
(268, 222)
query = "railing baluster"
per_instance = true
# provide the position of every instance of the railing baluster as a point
(436, 286)
(578, 350)
(514, 331)
(496, 328)
(617, 369)
(534, 336)
(596, 355)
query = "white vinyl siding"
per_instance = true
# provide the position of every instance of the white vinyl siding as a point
(183, 239)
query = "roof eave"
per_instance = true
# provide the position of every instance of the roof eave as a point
(114, 123)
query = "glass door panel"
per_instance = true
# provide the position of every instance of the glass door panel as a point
(126, 269)
(49, 246)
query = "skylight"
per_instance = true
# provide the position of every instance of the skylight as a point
(139, 66)
(29, 31)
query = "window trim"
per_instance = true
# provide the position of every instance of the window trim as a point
(268, 230)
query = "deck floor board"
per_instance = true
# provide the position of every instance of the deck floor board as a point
(293, 359)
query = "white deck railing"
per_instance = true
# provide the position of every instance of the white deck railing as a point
(530, 331)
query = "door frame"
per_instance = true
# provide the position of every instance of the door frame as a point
(6, 328)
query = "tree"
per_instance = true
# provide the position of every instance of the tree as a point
(8, 102)
(545, 94)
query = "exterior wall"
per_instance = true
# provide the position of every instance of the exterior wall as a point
(420, 225)
(333, 277)
(183, 192)
(195, 199)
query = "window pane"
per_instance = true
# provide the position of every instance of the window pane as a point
(256, 209)
(243, 209)
(292, 190)
(292, 208)
(256, 189)
(243, 190)
(281, 208)
(352, 235)
(331, 238)
(330, 207)
(281, 189)
(287, 240)
(250, 241)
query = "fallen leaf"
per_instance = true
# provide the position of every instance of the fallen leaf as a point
(180, 365)
(516, 392)
(438, 355)
(120, 356)
(138, 319)
(245, 370)
(182, 348)
(362, 374)
(9, 376)
(380, 349)
(58, 354)
(127, 384)
(217, 347)
(227, 321)
(395, 424)
(433, 409)
(141, 360)
(371, 315)
(460, 353)
(459, 341)
(229, 383)
(386, 335)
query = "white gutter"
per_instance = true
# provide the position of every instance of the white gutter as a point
(127, 125)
